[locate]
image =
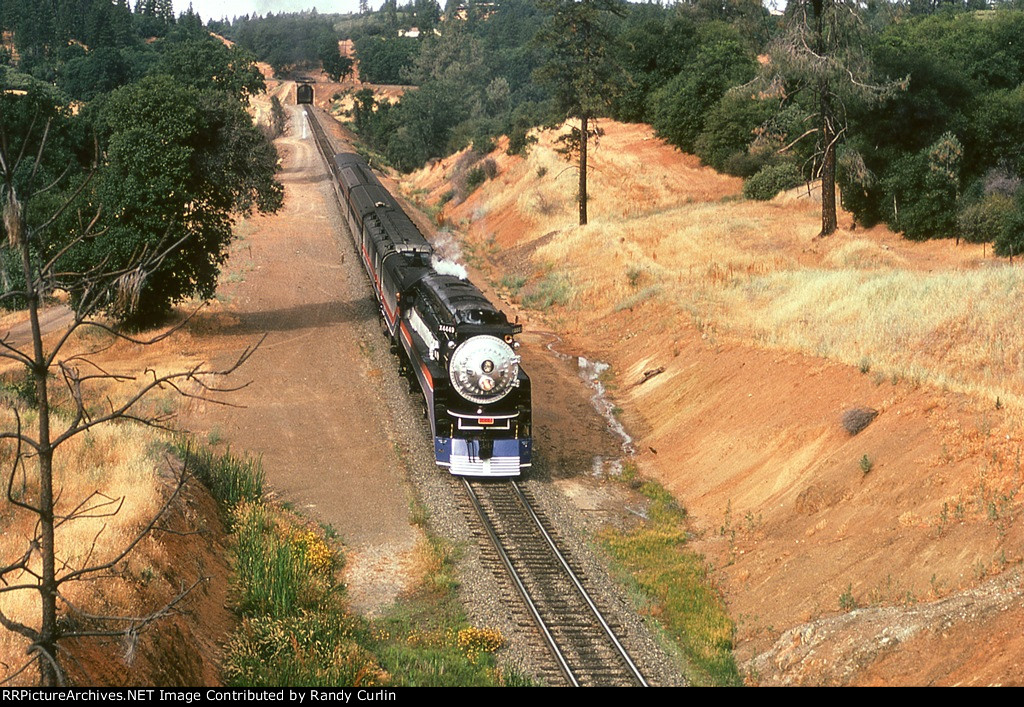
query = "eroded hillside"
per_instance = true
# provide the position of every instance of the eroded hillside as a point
(738, 341)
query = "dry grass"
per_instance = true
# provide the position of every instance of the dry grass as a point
(956, 329)
(863, 254)
(920, 312)
(119, 461)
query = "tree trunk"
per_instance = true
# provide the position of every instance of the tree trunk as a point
(828, 133)
(47, 643)
(828, 167)
(584, 137)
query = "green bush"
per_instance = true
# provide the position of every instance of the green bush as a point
(923, 189)
(474, 178)
(1010, 241)
(984, 221)
(729, 127)
(746, 164)
(772, 179)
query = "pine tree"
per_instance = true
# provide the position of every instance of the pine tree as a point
(578, 70)
(820, 55)
(165, 11)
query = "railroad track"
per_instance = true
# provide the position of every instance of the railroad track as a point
(582, 642)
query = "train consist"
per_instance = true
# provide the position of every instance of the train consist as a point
(452, 343)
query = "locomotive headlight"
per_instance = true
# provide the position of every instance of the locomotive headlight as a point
(483, 369)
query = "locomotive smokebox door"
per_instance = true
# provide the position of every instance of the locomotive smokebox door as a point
(304, 93)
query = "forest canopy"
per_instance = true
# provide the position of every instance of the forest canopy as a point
(928, 127)
(928, 131)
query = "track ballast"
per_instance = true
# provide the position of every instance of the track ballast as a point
(582, 642)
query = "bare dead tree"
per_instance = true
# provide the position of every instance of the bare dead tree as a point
(52, 364)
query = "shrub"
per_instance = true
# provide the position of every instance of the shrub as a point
(474, 178)
(866, 464)
(553, 289)
(729, 127)
(923, 189)
(846, 599)
(278, 119)
(1010, 240)
(770, 180)
(746, 164)
(483, 143)
(1001, 180)
(984, 221)
(856, 420)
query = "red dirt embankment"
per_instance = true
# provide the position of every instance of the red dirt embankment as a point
(889, 557)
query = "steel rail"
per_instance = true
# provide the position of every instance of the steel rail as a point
(563, 664)
(579, 586)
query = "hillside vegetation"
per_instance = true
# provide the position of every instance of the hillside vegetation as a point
(919, 125)
(670, 235)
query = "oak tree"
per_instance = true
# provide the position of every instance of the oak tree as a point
(44, 219)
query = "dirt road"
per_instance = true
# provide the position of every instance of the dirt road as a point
(339, 434)
(310, 409)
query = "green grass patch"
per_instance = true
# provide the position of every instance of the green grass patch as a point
(425, 639)
(281, 569)
(295, 626)
(513, 283)
(232, 480)
(322, 648)
(675, 583)
(553, 289)
(638, 298)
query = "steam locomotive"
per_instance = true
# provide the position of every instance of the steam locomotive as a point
(452, 343)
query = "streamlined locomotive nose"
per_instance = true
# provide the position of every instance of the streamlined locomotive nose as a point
(483, 369)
